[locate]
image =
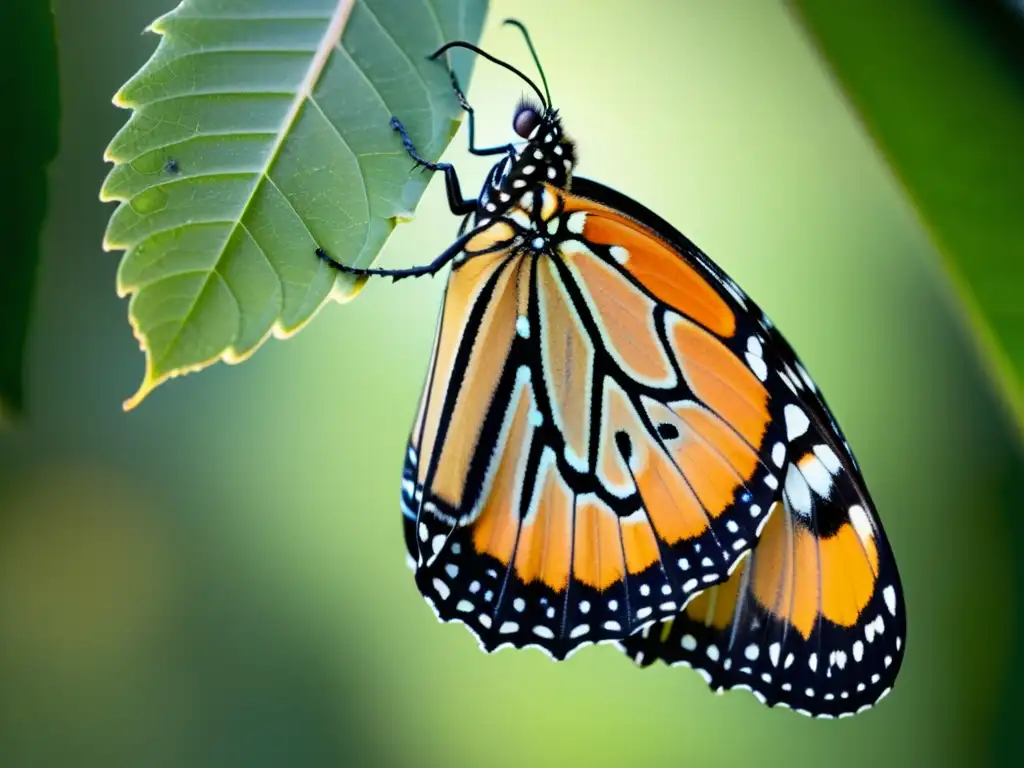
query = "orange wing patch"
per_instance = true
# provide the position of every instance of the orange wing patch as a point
(597, 547)
(625, 314)
(727, 447)
(670, 502)
(496, 526)
(721, 380)
(655, 265)
(786, 576)
(638, 542)
(849, 571)
(544, 552)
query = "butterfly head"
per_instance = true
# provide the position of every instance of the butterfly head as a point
(549, 155)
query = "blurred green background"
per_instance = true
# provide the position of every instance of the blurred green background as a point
(217, 578)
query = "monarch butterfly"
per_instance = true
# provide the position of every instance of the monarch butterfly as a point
(615, 444)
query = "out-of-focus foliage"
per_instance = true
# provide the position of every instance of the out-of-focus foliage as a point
(940, 87)
(29, 135)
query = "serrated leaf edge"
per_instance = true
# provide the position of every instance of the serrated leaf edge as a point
(151, 379)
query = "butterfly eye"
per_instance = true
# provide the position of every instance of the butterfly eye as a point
(526, 121)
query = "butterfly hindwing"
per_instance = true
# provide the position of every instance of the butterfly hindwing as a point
(814, 619)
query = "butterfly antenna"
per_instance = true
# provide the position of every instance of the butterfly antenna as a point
(499, 62)
(533, 52)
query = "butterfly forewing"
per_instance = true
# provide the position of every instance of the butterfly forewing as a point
(595, 440)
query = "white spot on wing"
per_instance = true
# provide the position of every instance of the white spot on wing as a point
(619, 253)
(442, 589)
(861, 523)
(576, 222)
(816, 475)
(778, 454)
(798, 492)
(890, 599)
(523, 327)
(828, 457)
(796, 421)
(757, 365)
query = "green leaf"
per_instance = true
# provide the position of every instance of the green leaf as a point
(260, 131)
(28, 63)
(940, 85)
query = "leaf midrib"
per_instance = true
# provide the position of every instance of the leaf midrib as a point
(330, 39)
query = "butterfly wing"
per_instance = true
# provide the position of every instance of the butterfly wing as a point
(814, 619)
(595, 439)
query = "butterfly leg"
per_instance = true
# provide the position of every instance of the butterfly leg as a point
(459, 205)
(397, 274)
(473, 149)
